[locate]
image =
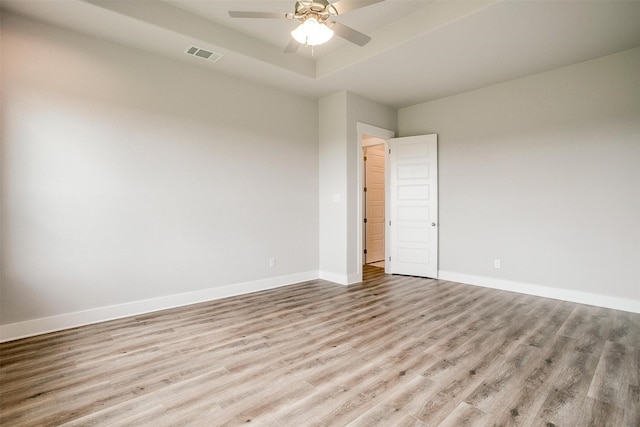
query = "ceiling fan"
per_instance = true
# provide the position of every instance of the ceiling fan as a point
(317, 26)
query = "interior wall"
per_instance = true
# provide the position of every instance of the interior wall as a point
(332, 187)
(360, 110)
(127, 176)
(340, 152)
(542, 173)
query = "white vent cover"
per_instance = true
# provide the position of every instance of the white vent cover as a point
(203, 53)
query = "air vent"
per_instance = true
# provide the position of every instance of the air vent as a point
(203, 53)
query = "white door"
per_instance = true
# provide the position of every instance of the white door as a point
(412, 247)
(374, 203)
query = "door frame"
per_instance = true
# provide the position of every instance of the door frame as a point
(385, 134)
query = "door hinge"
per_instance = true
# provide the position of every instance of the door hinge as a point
(365, 220)
(365, 189)
(389, 222)
(389, 150)
(365, 158)
(365, 251)
(389, 259)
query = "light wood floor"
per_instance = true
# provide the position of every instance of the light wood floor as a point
(392, 351)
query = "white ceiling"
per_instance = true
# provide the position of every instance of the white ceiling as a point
(421, 49)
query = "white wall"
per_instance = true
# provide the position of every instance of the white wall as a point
(542, 173)
(127, 176)
(360, 110)
(340, 153)
(332, 187)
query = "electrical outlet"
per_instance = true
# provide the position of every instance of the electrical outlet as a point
(272, 262)
(496, 263)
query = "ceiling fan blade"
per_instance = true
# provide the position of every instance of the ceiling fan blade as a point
(292, 47)
(350, 34)
(344, 6)
(267, 15)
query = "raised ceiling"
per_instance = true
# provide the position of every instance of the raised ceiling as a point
(421, 49)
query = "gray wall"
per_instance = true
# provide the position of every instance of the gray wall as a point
(542, 173)
(340, 154)
(333, 182)
(360, 110)
(127, 176)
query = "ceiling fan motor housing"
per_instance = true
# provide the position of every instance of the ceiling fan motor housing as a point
(321, 10)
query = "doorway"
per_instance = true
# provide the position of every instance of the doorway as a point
(411, 240)
(375, 136)
(373, 201)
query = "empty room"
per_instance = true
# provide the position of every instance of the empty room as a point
(320, 213)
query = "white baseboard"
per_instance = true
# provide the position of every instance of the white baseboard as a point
(45, 325)
(340, 279)
(354, 278)
(13, 331)
(571, 295)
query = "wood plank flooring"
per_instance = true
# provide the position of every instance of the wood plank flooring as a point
(392, 351)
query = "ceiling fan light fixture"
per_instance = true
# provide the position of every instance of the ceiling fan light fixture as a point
(312, 33)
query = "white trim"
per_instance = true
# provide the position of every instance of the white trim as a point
(340, 279)
(354, 278)
(365, 129)
(571, 295)
(14, 331)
